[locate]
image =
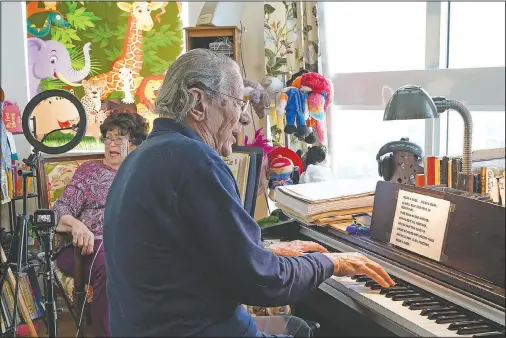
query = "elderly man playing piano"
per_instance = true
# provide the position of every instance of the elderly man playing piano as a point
(182, 254)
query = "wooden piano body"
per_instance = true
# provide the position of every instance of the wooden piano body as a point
(468, 281)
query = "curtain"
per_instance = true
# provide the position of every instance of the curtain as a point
(291, 43)
(291, 37)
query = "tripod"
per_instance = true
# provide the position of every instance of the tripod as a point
(17, 260)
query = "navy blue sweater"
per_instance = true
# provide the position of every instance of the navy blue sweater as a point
(182, 254)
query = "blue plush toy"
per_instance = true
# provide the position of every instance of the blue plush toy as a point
(293, 101)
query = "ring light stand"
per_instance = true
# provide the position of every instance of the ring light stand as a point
(18, 261)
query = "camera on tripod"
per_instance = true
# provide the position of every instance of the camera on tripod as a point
(44, 219)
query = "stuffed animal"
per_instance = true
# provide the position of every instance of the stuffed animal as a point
(280, 171)
(296, 75)
(273, 86)
(292, 102)
(320, 92)
(258, 97)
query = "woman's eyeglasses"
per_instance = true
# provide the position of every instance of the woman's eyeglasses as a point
(117, 140)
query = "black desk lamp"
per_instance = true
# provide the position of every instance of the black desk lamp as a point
(412, 102)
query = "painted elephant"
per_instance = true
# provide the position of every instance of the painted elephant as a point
(50, 59)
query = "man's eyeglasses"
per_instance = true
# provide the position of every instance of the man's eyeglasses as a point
(243, 104)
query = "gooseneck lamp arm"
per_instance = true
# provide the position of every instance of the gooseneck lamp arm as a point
(442, 105)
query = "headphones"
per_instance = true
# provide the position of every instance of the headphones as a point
(385, 165)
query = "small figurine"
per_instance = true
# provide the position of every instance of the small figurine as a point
(317, 170)
(280, 171)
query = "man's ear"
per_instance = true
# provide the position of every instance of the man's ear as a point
(197, 113)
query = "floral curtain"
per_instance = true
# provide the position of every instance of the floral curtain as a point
(291, 43)
(291, 37)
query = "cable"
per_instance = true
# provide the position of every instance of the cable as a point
(240, 51)
(86, 294)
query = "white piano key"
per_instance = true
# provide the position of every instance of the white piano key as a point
(394, 311)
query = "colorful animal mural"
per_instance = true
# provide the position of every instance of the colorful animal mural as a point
(101, 51)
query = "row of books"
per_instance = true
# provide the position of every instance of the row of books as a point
(31, 294)
(488, 180)
(12, 183)
(30, 301)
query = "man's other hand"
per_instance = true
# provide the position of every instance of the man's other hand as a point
(353, 263)
(296, 248)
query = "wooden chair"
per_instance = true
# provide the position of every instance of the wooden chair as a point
(55, 173)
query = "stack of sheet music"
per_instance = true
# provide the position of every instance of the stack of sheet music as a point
(324, 203)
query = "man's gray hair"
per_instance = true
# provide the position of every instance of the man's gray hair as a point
(198, 68)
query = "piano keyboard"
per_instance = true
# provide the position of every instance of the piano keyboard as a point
(419, 311)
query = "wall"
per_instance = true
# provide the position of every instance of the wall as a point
(14, 75)
(252, 43)
(254, 61)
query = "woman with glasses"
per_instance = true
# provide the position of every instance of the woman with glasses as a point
(80, 209)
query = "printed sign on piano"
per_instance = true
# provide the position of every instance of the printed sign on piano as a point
(420, 224)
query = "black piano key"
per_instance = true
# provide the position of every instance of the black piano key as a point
(451, 319)
(436, 315)
(393, 288)
(376, 287)
(431, 310)
(490, 334)
(362, 279)
(425, 305)
(474, 329)
(412, 296)
(370, 283)
(356, 276)
(458, 325)
(399, 292)
(409, 302)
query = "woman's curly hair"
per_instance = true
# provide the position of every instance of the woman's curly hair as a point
(132, 125)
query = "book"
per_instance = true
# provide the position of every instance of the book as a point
(239, 165)
(316, 198)
(502, 189)
(444, 170)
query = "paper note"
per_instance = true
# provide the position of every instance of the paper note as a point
(420, 224)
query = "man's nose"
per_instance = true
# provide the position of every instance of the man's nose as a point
(245, 118)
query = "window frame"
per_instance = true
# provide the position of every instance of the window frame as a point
(436, 69)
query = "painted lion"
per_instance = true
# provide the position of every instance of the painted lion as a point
(147, 93)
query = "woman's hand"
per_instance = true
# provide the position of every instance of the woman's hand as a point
(354, 263)
(295, 248)
(82, 237)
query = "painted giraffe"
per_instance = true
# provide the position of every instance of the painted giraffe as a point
(131, 57)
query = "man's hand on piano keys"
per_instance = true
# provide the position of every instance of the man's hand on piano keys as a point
(354, 263)
(296, 248)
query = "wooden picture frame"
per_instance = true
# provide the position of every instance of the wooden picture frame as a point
(76, 307)
(44, 160)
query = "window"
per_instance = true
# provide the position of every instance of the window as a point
(488, 131)
(477, 34)
(370, 36)
(370, 46)
(358, 135)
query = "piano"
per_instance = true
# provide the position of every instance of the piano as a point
(463, 296)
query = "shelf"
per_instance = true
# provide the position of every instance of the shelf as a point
(202, 36)
(17, 198)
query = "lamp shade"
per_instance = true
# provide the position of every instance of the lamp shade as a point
(410, 103)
